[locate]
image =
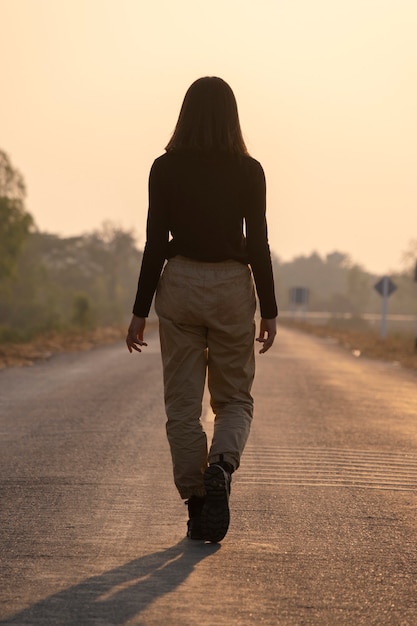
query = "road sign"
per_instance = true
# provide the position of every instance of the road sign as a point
(299, 299)
(385, 286)
(299, 295)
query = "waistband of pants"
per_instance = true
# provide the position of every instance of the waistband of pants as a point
(215, 265)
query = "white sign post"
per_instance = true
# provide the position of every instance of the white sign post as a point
(385, 287)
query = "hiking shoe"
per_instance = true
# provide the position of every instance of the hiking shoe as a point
(215, 514)
(195, 505)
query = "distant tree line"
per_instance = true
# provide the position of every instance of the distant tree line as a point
(50, 282)
(338, 285)
(83, 281)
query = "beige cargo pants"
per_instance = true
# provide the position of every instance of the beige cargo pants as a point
(206, 324)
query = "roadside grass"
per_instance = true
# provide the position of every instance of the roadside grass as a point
(361, 341)
(353, 335)
(45, 345)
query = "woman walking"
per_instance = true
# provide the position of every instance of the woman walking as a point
(207, 219)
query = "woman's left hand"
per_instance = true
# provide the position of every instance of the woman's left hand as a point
(267, 332)
(134, 337)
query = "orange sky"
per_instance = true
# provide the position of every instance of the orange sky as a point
(327, 93)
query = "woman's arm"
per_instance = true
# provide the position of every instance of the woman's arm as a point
(257, 243)
(157, 236)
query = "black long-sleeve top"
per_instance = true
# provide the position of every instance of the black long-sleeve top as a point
(208, 208)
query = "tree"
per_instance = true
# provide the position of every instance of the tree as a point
(409, 257)
(338, 259)
(15, 222)
(85, 280)
(359, 287)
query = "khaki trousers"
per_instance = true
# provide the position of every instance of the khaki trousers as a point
(206, 323)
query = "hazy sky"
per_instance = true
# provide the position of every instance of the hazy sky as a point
(327, 94)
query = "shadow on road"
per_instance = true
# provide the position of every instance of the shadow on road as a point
(119, 594)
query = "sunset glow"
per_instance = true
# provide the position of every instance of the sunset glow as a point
(327, 94)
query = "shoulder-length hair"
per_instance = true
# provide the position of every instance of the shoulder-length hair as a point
(208, 120)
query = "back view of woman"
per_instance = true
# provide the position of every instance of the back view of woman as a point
(207, 219)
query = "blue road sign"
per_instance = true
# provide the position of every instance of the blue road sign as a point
(299, 295)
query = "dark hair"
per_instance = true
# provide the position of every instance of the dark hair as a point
(208, 120)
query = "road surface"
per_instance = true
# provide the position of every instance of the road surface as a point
(323, 529)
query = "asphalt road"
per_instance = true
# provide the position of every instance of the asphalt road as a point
(323, 526)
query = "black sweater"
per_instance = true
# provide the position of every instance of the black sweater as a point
(206, 204)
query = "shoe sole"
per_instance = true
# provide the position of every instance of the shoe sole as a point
(215, 516)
